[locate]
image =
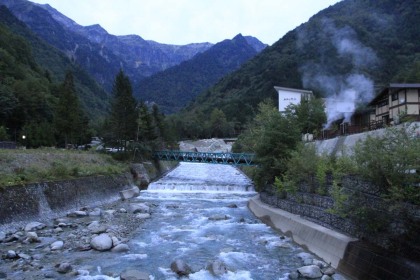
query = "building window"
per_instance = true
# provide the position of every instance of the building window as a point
(394, 96)
(383, 103)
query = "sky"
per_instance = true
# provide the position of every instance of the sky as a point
(182, 22)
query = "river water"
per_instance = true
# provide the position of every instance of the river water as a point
(200, 215)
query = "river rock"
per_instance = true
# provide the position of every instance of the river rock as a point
(217, 268)
(95, 212)
(121, 248)
(218, 217)
(139, 208)
(32, 237)
(64, 268)
(143, 216)
(95, 227)
(129, 193)
(233, 205)
(24, 256)
(102, 242)
(2, 236)
(310, 271)
(11, 255)
(180, 268)
(132, 274)
(77, 214)
(57, 245)
(293, 275)
(34, 226)
(330, 271)
(326, 277)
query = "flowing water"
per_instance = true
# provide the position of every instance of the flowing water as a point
(200, 215)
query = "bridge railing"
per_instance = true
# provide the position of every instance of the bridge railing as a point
(206, 157)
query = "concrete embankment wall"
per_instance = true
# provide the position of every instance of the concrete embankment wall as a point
(325, 243)
(45, 200)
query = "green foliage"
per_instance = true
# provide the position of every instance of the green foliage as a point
(310, 115)
(390, 34)
(123, 117)
(392, 162)
(272, 137)
(340, 201)
(3, 134)
(29, 166)
(70, 121)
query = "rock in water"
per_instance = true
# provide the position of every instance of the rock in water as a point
(102, 242)
(180, 268)
(217, 268)
(64, 268)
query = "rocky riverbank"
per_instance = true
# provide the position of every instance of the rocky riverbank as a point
(56, 249)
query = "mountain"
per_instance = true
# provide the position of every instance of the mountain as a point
(52, 61)
(98, 52)
(173, 88)
(349, 50)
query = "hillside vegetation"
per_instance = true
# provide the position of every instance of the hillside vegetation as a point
(373, 41)
(33, 166)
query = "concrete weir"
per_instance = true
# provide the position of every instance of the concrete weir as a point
(325, 243)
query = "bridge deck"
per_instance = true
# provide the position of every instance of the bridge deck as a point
(204, 157)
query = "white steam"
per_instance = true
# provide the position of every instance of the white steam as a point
(343, 91)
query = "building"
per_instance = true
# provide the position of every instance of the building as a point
(395, 101)
(289, 96)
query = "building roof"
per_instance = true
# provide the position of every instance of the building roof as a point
(392, 87)
(293, 90)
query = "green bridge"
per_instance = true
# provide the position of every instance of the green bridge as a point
(204, 157)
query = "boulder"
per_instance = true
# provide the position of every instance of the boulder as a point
(102, 242)
(32, 237)
(139, 208)
(64, 268)
(32, 226)
(77, 214)
(96, 228)
(132, 274)
(310, 271)
(180, 268)
(217, 268)
(143, 216)
(11, 255)
(330, 271)
(130, 193)
(57, 245)
(326, 277)
(218, 217)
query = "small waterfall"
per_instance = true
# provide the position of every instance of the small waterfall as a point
(203, 178)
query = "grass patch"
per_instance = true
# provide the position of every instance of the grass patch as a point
(32, 166)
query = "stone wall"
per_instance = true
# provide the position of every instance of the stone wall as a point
(368, 258)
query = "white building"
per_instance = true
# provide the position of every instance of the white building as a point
(289, 96)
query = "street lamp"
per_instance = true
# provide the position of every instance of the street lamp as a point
(23, 140)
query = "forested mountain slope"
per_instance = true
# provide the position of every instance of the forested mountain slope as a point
(48, 66)
(173, 88)
(354, 46)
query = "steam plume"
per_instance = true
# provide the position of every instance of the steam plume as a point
(346, 89)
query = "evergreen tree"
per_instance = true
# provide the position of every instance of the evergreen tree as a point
(69, 119)
(123, 119)
(146, 129)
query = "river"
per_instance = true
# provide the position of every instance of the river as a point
(200, 215)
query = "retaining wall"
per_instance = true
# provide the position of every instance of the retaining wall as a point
(45, 200)
(327, 244)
